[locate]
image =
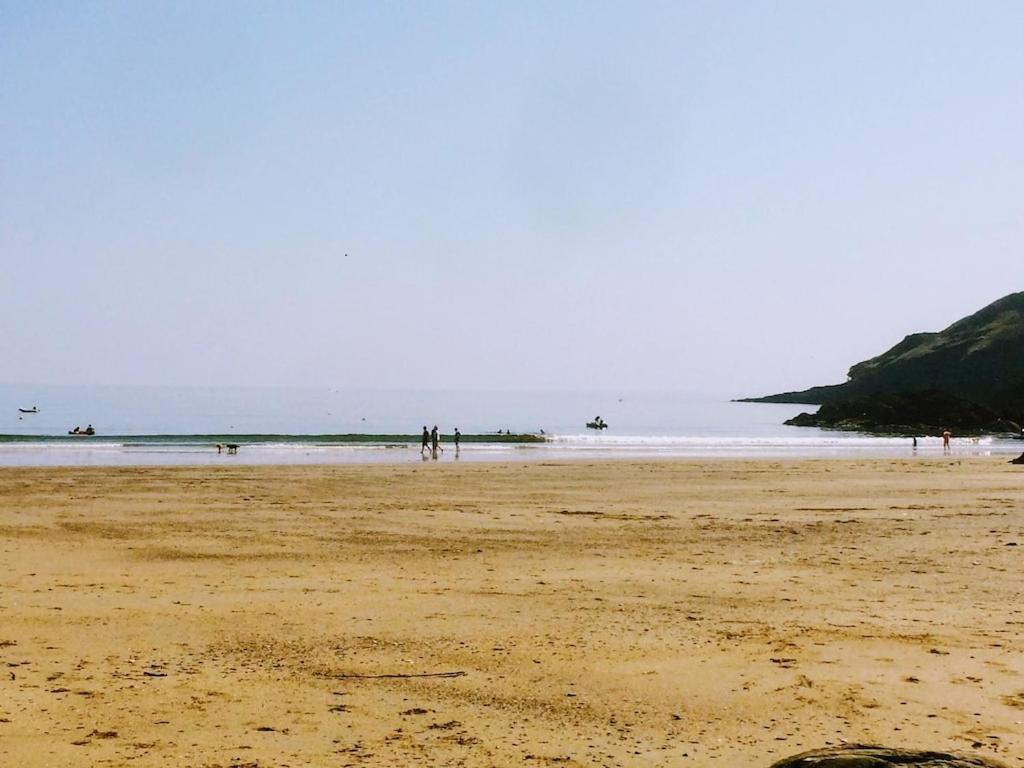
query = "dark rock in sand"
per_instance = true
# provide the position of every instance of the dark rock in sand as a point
(865, 756)
(1018, 460)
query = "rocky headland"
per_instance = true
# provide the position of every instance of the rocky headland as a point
(968, 378)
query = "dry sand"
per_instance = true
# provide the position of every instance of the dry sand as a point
(715, 613)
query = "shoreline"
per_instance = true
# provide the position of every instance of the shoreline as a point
(272, 450)
(644, 613)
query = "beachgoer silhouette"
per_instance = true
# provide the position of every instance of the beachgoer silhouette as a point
(426, 439)
(435, 440)
(946, 434)
(458, 436)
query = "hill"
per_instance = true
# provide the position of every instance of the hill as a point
(971, 373)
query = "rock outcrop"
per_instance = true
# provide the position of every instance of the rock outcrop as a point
(918, 413)
(865, 756)
(969, 376)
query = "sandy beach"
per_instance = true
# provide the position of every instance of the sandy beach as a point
(669, 613)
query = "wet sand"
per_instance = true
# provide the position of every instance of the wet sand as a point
(716, 613)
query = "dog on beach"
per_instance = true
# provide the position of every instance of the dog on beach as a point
(230, 447)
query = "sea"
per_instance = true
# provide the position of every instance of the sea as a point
(182, 425)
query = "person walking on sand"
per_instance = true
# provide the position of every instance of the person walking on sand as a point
(426, 439)
(435, 440)
(458, 436)
(946, 434)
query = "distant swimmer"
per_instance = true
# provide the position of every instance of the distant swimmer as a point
(426, 439)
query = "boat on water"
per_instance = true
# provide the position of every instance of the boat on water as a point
(79, 432)
(598, 423)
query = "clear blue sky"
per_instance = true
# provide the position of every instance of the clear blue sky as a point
(707, 197)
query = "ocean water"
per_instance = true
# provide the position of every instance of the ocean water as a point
(291, 425)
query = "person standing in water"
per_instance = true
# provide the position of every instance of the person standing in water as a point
(435, 441)
(946, 434)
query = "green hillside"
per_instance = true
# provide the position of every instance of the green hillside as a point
(977, 361)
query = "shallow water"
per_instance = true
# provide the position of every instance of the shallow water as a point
(290, 421)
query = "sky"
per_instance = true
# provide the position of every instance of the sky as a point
(705, 197)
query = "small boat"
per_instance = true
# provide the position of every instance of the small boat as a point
(33, 409)
(79, 432)
(597, 423)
